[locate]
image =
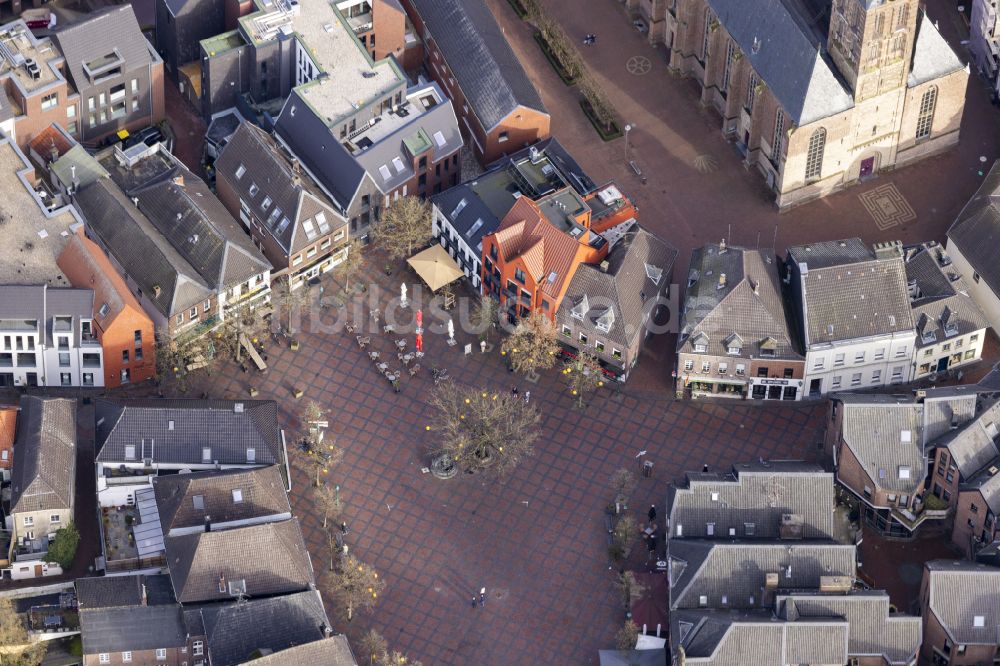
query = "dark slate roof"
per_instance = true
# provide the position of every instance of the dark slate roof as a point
(874, 628)
(625, 288)
(144, 255)
(132, 629)
(782, 48)
(958, 593)
(41, 303)
(197, 424)
(327, 160)
(109, 592)
(269, 174)
(261, 494)
(942, 296)
(570, 169)
(477, 52)
(44, 474)
(737, 569)
(976, 231)
(749, 305)
(98, 35)
(271, 558)
(332, 651)
(759, 493)
(235, 631)
(933, 57)
(850, 291)
(975, 443)
(987, 483)
(474, 220)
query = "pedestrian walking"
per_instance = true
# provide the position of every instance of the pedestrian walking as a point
(652, 513)
(513, 390)
(704, 468)
(482, 598)
(527, 397)
(482, 346)
(473, 601)
(343, 527)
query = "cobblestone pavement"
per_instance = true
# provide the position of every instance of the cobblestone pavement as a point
(536, 542)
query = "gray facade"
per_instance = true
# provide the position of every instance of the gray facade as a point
(181, 25)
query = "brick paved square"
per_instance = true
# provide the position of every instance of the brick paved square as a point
(887, 206)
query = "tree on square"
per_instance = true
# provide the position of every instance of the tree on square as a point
(406, 224)
(532, 345)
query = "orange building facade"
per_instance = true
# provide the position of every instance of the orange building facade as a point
(8, 429)
(123, 328)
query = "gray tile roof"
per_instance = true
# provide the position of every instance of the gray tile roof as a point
(332, 651)
(737, 569)
(268, 175)
(197, 424)
(261, 495)
(132, 629)
(44, 473)
(848, 292)
(973, 445)
(942, 297)
(170, 283)
(625, 288)
(98, 35)
(788, 56)
(976, 230)
(987, 483)
(235, 631)
(753, 493)
(874, 629)
(270, 558)
(749, 305)
(477, 52)
(933, 57)
(109, 592)
(887, 435)
(960, 592)
(41, 303)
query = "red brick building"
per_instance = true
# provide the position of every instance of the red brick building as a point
(8, 428)
(123, 328)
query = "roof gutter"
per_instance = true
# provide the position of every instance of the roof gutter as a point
(288, 470)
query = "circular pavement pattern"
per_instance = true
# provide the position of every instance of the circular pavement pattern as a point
(638, 65)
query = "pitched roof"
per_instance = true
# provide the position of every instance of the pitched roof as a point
(875, 630)
(976, 230)
(225, 496)
(51, 138)
(789, 57)
(44, 474)
(112, 32)
(941, 297)
(737, 569)
(176, 431)
(477, 52)
(987, 482)
(757, 493)
(965, 598)
(77, 168)
(86, 266)
(332, 651)
(625, 288)
(848, 291)
(887, 437)
(269, 558)
(237, 631)
(975, 443)
(933, 57)
(747, 303)
(260, 172)
(132, 629)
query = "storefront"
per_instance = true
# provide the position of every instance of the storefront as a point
(775, 389)
(720, 389)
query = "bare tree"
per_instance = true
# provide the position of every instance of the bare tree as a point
(532, 345)
(477, 428)
(327, 500)
(246, 324)
(291, 305)
(405, 224)
(374, 645)
(485, 316)
(16, 646)
(624, 535)
(623, 484)
(629, 589)
(397, 658)
(352, 261)
(602, 108)
(322, 455)
(559, 44)
(627, 636)
(584, 376)
(355, 585)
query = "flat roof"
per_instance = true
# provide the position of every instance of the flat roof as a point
(32, 240)
(22, 46)
(417, 103)
(222, 42)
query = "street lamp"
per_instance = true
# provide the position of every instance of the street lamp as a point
(628, 128)
(337, 489)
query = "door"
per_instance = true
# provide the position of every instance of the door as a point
(942, 365)
(38, 571)
(867, 167)
(6, 379)
(814, 386)
(774, 393)
(31, 379)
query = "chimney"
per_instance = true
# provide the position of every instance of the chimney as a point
(722, 281)
(208, 523)
(156, 291)
(144, 597)
(770, 590)
(325, 630)
(135, 200)
(791, 526)
(605, 265)
(222, 583)
(179, 180)
(835, 583)
(722, 246)
(54, 152)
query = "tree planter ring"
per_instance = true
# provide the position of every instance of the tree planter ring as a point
(443, 467)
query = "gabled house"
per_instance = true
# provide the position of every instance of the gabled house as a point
(951, 328)
(256, 560)
(43, 479)
(736, 339)
(332, 651)
(122, 327)
(466, 52)
(283, 210)
(611, 308)
(960, 607)
(853, 314)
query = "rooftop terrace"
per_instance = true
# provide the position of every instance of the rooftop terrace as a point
(27, 59)
(417, 103)
(222, 42)
(32, 241)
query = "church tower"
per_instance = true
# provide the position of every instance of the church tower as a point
(871, 42)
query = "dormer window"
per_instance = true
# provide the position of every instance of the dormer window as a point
(206, 455)
(768, 347)
(606, 320)
(653, 273)
(948, 322)
(734, 345)
(251, 455)
(581, 308)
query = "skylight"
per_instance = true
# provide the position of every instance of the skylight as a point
(237, 495)
(309, 229)
(324, 226)
(439, 139)
(384, 170)
(239, 172)
(199, 502)
(459, 208)
(266, 203)
(477, 225)
(398, 163)
(284, 225)
(105, 309)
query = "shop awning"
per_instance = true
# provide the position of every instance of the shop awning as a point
(435, 267)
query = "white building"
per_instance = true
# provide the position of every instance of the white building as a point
(854, 314)
(984, 37)
(47, 337)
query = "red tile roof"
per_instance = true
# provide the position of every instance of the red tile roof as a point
(8, 422)
(86, 266)
(47, 139)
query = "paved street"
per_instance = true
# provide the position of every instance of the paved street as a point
(537, 543)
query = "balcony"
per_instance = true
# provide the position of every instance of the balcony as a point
(360, 23)
(89, 341)
(920, 515)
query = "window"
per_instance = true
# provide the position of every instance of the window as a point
(65, 379)
(240, 171)
(616, 354)
(29, 521)
(779, 134)
(197, 648)
(856, 379)
(251, 455)
(835, 382)
(730, 60)
(879, 354)
(838, 360)
(50, 101)
(583, 338)
(859, 357)
(876, 376)
(599, 346)
(566, 331)
(819, 363)
(104, 658)
(723, 368)
(973, 508)
(519, 275)
(63, 360)
(126, 657)
(88, 379)
(709, 27)
(703, 600)
(180, 318)
(925, 119)
(161, 653)
(706, 366)
(55, 518)
(751, 92)
(901, 352)
(897, 374)
(904, 472)
(741, 369)
(688, 365)
(762, 372)
(71, 111)
(814, 158)
(206, 455)
(125, 355)
(502, 137)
